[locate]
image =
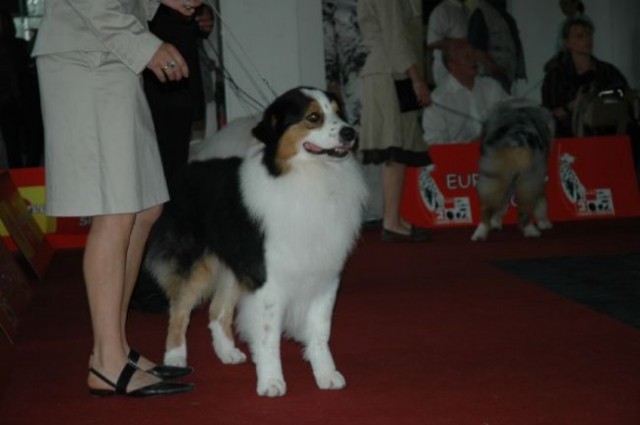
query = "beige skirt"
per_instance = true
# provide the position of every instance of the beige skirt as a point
(382, 125)
(101, 153)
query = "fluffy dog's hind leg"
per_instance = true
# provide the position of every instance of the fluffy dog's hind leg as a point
(526, 201)
(491, 192)
(189, 293)
(540, 213)
(221, 312)
(317, 332)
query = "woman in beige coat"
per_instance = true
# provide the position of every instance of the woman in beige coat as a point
(102, 161)
(391, 31)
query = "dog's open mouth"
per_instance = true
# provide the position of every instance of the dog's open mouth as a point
(337, 152)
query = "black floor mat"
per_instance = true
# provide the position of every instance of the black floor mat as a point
(608, 284)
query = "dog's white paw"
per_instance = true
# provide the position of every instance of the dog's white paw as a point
(496, 223)
(331, 381)
(231, 356)
(224, 346)
(531, 231)
(481, 233)
(544, 224)
(273, 387)
(176, 356)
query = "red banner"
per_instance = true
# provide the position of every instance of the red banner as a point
(22, 227)
(63, 232)
(588, 178)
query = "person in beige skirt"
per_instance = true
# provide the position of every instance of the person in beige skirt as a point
(102, 161)
(391, 31)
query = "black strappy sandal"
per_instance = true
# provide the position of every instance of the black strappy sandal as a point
(161, 371)
(120, 387)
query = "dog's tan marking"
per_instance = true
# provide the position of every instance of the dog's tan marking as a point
(184, 296)
(291, 140)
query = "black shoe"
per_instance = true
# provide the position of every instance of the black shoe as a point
(161, 371)
(416, 235)
(120, 387)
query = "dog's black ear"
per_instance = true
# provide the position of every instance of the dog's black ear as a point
(265, 131)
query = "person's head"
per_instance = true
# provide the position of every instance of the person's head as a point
(571, 7)
(577, 35)
(461, 61)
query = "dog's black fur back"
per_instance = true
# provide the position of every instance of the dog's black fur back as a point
(190, 226)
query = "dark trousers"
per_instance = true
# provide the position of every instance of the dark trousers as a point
(173, 131)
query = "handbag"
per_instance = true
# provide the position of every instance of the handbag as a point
(406, 96)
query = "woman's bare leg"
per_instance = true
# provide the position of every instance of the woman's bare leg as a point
(392, 185)
(141, 227)
(104, 272)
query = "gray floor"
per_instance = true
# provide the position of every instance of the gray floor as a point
(609, 284)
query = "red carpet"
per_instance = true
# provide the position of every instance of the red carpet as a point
(428, 334)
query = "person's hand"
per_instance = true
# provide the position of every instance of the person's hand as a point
(186, 7)
(423, 94)
(204, 18)
(168, 64)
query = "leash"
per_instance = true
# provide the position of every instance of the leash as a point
(251, 74)
(475, 119)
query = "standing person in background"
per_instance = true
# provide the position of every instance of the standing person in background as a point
(392, 32)
(102, 161)
(494, 33)
(447, 25)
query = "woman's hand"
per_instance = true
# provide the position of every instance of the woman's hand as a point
(186, 7)
(168, 64)
(423, 94)
(420, 88)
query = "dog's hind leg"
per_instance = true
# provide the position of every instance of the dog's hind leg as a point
(527, 197)
(492, 191)
(316, 340)
(189, 293)
(221, 312)
(540, 213)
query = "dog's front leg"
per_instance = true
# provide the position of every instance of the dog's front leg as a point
(265, 334)
(318, 331)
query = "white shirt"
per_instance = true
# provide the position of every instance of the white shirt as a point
(472, 107)
(448, 20)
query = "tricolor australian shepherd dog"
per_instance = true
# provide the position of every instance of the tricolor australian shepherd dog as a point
(514, 147)
(265, 237)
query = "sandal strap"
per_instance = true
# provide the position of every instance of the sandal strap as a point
(125, 377)
(102, 377)
(133, 357)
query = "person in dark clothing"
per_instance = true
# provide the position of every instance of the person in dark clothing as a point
(174, 107)
(20, 116)
(575, 72)
(574, 77)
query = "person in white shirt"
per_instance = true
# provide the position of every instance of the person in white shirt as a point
(461, 104)
(447, 23)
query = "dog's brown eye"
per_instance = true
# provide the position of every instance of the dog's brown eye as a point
(313, 118)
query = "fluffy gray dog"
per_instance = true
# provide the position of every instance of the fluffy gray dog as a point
(515, 146)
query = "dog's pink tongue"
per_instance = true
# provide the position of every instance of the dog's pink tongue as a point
(312, 148)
